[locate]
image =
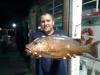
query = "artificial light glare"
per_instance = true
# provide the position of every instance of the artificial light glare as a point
(14, 25)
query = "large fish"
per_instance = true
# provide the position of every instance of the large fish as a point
(59, 46)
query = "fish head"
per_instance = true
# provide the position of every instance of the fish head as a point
(37, 47)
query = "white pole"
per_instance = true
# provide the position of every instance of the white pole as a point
(75, 65)
(76, 17)
(93, 69)
(97, 5)
(75, 32)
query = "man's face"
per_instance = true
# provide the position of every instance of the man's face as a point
(47, 22)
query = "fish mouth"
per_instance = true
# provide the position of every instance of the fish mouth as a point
(28, 50)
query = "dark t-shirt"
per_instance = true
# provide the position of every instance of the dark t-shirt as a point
(48, 66)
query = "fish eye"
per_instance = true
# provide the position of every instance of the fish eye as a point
(35, 43)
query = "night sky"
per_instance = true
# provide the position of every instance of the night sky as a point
(14, 10)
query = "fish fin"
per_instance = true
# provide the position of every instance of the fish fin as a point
(94, 49)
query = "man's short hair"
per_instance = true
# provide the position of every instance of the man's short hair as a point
(44, 13)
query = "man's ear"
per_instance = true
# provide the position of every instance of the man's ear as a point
(53, 22)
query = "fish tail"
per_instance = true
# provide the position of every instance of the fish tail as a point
(94, 49)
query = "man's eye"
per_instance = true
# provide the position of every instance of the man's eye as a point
(35, 43)
(48, 20)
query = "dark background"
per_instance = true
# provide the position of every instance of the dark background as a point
(14, 10)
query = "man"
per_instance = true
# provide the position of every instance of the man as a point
(48, 66)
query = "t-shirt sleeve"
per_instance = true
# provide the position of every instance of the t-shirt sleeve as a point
(33, 36)
(36, 35)
(61, 32)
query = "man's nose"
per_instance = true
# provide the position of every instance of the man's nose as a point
(45, 23)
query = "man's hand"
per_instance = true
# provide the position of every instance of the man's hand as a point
(71, 55)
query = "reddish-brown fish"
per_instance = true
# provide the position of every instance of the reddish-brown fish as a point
(59, 46)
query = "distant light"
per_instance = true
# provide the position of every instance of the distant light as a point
(14, 25)
(39, 27)
(0, 29)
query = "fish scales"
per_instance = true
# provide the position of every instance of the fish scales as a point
(59, 46)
